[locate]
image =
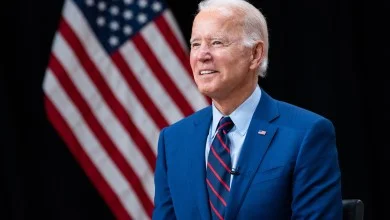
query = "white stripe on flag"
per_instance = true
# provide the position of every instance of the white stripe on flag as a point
(151, 84)
(104, 115)
(113, 77)
(92, 147)
(173, 67)
(173, 24)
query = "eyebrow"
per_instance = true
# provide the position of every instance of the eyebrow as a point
(192, 40)
(209, 38)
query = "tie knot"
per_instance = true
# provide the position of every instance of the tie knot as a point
(225, 124)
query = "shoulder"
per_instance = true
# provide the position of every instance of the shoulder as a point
(294, 116)
(306, 120)
(188, 121)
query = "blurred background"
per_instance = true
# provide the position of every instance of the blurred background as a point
(324, 56)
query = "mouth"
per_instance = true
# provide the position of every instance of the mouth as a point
(206, 72)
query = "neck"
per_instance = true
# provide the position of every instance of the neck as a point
(227, 105)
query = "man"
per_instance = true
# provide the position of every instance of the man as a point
(266, 159)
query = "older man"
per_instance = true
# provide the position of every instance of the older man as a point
(247, 156)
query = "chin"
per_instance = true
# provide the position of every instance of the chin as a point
(211, 93)
(204, 91)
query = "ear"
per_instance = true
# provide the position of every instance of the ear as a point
(257, 55)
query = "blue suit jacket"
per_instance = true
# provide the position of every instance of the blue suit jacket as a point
(291, 172)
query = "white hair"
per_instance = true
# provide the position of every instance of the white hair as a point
(255, 25)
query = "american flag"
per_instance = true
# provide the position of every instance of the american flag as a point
(118, 73)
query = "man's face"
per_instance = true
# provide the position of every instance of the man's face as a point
(220, 62)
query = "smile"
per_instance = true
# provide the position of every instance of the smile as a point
(206, 72)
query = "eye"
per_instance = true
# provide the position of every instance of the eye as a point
(216, 42)
(195, 45)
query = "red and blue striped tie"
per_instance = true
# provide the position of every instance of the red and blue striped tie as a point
(218, 169)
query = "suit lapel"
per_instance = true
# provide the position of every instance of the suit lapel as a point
(252, 152)
(198, 162)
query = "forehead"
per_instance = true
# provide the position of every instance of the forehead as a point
(216, 23)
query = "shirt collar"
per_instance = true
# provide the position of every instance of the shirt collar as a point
(242, 116)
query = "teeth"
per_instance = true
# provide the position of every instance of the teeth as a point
(206, 72)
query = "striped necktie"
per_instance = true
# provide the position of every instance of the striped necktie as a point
(218, 169)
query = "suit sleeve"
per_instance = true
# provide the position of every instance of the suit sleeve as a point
(163, 206)
(317, 178)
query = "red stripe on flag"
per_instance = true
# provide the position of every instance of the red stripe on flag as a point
(161, 74)
(98, 180)
(173, 42)
(107, 94)
(100, 134)
(138, 90)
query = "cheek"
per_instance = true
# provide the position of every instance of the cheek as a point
(227, 63)
(239, 61)
(192, 61)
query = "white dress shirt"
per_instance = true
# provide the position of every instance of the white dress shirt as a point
(241, 118)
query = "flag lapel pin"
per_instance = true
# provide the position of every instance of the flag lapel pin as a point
(262, 132)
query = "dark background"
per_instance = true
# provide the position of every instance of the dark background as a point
(324, 56)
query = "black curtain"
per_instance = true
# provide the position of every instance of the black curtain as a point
(324, 56)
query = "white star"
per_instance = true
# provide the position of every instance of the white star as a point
(113, 41)
(114, 25)
(114, 10)
(101, 21)
(127, 14)
(156, 6)
(141, 18)
(102, 6)
(142, 3)
(89, 2)
(127, 30)
(128, 2)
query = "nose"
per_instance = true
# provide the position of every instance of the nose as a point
(204, 53)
